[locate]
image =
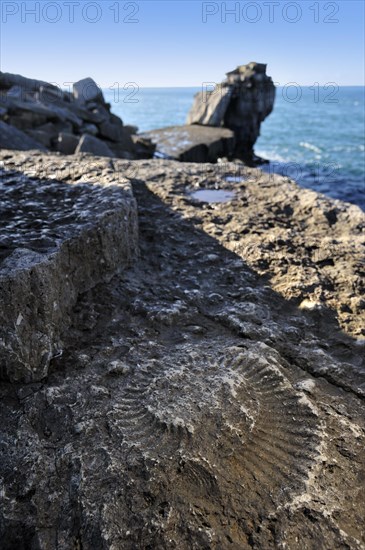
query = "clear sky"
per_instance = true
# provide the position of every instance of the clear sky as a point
(183, 43)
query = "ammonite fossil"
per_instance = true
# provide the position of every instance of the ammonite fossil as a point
(228, 432)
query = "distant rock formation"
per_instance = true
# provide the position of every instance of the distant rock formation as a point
(240, 103)
(37, 115)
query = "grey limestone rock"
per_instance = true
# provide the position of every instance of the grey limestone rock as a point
(144, 147)
(44, 110)
(45, 138)
(111, 131)
(67, 143)
(210, 396)
(8, 80)
(54, 128)
(89, 128)
(68, 237)
(210, 107)
(40, 112)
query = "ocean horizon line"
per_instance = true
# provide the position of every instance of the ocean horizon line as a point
(200, 86)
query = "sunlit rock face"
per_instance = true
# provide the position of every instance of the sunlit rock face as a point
(240, 103)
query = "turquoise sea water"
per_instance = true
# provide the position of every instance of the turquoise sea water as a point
(314, 135)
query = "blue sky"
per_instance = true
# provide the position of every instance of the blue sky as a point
(183, 43)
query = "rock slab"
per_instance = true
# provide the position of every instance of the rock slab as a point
(58, 239)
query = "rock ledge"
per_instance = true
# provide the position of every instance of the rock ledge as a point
(58, 240)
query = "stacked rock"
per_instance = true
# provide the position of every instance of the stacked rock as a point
(240, 103)
(38, 115)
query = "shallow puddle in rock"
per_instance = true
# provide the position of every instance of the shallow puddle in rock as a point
(234, 179)
(213, 195)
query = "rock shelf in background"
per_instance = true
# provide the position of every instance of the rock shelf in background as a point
(58, 239)
(192, 143)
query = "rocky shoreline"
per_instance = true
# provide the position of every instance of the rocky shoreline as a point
(224, 122)
(208, 395)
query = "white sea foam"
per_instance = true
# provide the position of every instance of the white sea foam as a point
(272, 155)
(310, 146)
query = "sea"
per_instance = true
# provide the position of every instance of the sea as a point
(315, 134)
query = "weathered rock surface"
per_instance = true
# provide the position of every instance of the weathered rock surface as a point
(46, 113)
(195, 406)
(209, 108)
(57, 241)
(240, 103)
(309, 247)
(192, 143)
(40, 136)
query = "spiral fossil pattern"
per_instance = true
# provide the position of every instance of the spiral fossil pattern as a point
(229, 425)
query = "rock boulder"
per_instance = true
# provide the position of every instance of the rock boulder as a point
(87, 90)
(93, 145)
